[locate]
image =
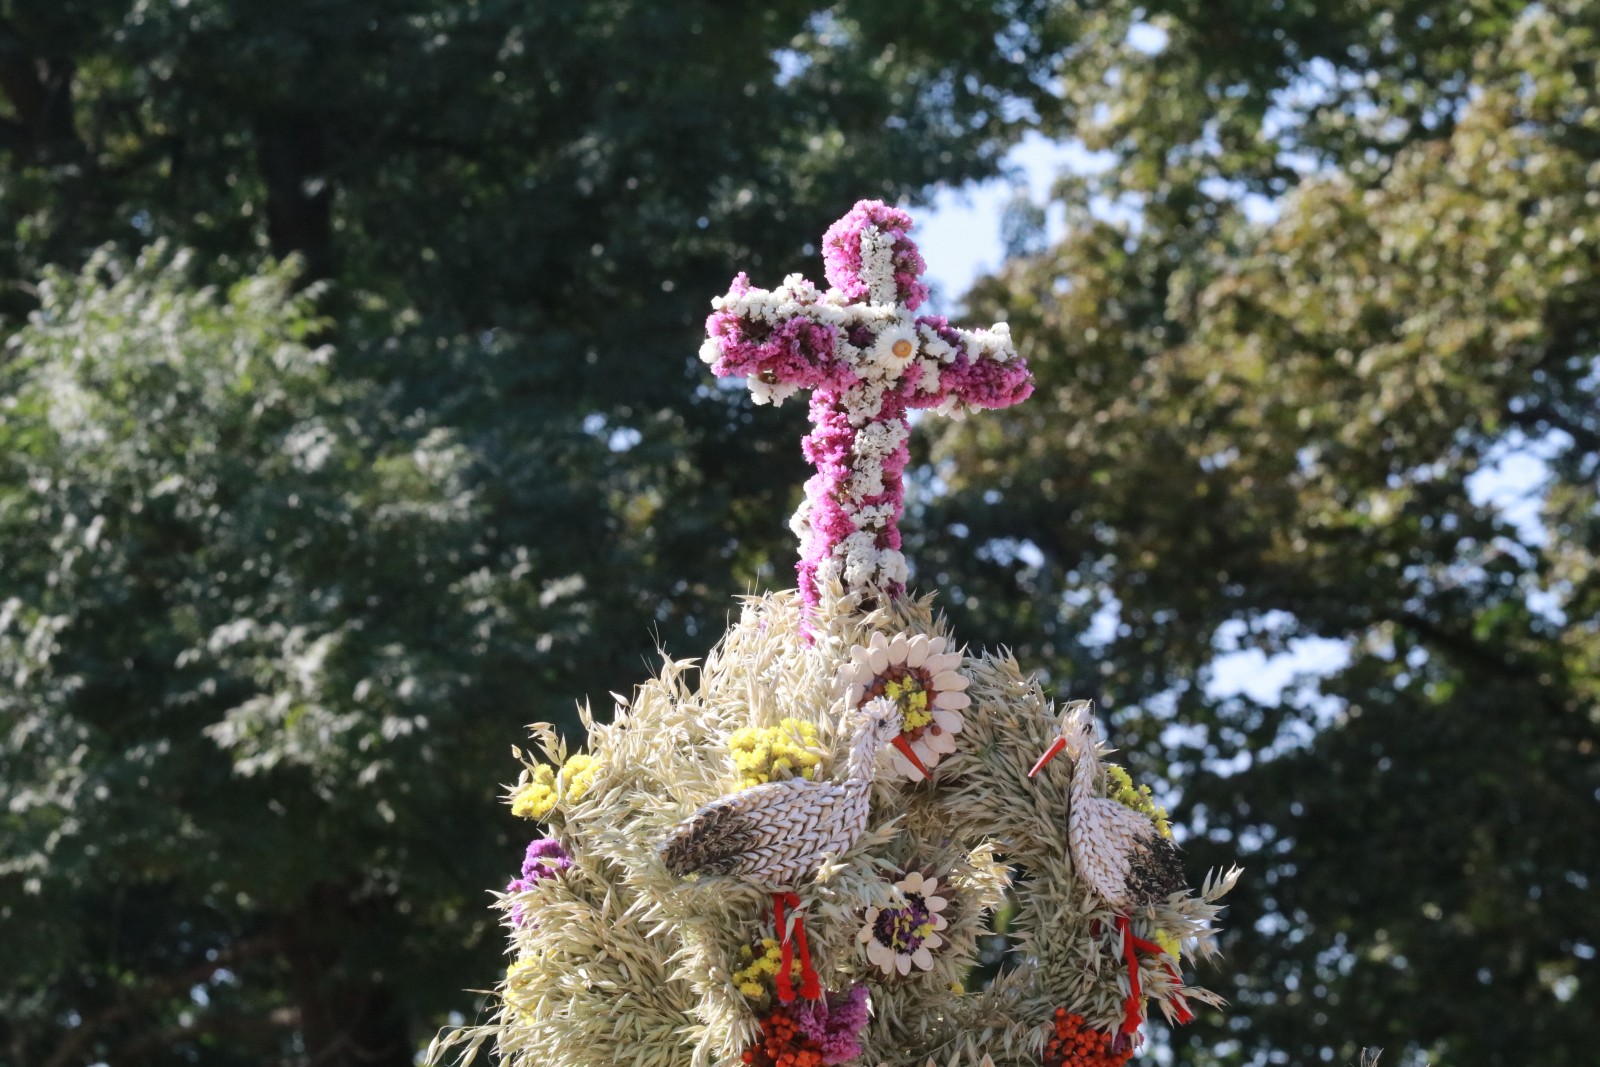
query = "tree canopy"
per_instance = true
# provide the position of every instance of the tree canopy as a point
(287, 572)
(1254, 432)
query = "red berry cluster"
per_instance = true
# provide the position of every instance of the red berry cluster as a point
(1076, 1045)
(782, 1044)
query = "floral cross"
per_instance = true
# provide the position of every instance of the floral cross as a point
(868, 360)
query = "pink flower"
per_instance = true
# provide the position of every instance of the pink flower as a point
(841, 253)
(835, 1024)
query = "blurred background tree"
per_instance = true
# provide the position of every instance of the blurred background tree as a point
(291, 554)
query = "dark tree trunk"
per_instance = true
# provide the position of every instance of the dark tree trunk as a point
(42, 133)
(350, 1014)
(40, 91)
(292, 149)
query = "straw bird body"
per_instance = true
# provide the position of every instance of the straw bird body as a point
(775, 835)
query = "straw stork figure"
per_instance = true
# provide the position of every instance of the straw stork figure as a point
(775, 835)
(1117, 851)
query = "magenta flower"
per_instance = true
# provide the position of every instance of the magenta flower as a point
(835, 1024)
(847, 268)
(545, 858)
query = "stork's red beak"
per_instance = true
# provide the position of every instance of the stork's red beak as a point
(1049, 754)
(909, 753)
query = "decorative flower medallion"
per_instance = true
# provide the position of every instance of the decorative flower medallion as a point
(898, 938)
(923, 680)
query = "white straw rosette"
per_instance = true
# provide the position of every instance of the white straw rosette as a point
(923, 680)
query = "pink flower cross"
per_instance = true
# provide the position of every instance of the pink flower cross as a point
(868, 360)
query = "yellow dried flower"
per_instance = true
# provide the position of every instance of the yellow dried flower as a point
(577, 775)
(1169, 944)
(757, 970)
(536, 797)
(518, 975)
(912, 699)
(1119, 787)
(774, 753)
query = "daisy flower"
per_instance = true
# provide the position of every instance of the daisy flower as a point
(922, 678)
(898, 938)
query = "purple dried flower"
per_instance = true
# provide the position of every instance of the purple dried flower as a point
(835, 1024)
(545, 858)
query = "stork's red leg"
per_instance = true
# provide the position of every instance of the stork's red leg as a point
(786, 957)
(1133, 1006)
(810, 987)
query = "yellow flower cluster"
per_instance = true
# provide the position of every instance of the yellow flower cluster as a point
(1119, 787)
(517, 973)
(911, 699)
(755, 971)
(1169, 944)
(536, 797)
(774, 753)
(517, 976)
(578, 774)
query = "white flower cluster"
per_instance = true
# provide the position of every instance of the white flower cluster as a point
(857, 562)
(773, 393)
(875, 442)
(877, 265)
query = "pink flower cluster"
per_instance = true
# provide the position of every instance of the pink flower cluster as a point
(796, 351)
(977, 383)
(834, 447)
(835, 1024)
(841, 253)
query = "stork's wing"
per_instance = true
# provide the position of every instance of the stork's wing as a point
(1121, 854)
(1155, 870)
(715, 839)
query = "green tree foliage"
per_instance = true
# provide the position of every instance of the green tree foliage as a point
(281, 588)
(243, 617)
(1249, 433)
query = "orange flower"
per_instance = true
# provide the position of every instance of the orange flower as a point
(782, 1044)
(1075, 1045)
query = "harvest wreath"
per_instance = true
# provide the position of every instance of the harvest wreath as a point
(787, 857)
